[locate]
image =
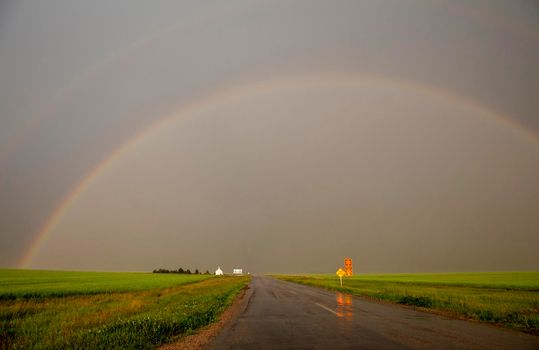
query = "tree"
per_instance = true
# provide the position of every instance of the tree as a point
(188, 271)
(207, 272)
(196, 272)
(180, 270)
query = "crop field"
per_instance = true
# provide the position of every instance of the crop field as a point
(509, 299)
(96, 310)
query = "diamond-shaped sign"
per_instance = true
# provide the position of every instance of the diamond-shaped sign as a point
(340, 272)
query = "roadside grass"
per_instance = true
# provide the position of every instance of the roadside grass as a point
(508, 299)
(140, 319)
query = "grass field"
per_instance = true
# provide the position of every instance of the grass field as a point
(87, 310)
(16, 284)
(510, 299)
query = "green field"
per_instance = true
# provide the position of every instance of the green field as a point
(510, 299)
(99, 310)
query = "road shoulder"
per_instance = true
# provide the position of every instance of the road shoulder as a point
(205, 335)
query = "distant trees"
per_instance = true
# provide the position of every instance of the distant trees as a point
(180, 270)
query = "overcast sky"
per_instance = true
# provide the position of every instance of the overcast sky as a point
(273, 136)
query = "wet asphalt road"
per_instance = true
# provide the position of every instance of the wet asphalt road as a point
(284, 315)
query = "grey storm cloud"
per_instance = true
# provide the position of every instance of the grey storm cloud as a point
(403, 134)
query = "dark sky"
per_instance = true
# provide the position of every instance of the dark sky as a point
(277, 136)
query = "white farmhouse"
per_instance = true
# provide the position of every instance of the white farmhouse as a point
(219, 272)
(237, 272)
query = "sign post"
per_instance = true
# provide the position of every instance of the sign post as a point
(340, 272)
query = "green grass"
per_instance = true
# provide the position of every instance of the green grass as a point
(142, 312)
(509, 280)
(510, 299)
(15, 284)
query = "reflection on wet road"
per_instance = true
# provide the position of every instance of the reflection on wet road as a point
(344, 306)
(283, 315)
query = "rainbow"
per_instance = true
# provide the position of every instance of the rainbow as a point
(231, 94)
(118, 56)
(218, 15)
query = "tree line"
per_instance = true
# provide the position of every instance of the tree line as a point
(182, 271)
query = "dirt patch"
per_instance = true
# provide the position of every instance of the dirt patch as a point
(203, 336)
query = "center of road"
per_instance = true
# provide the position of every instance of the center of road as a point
(285, 315)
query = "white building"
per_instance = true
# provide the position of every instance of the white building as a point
(237, 272)
(219, 272)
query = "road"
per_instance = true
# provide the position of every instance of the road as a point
(284, 315)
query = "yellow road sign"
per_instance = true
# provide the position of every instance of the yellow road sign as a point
(340, 272)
